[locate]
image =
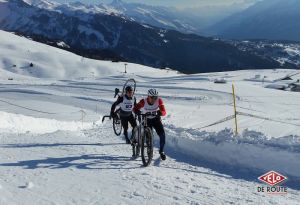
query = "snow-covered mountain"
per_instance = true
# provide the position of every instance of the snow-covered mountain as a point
(17, 53)
(267, 19)
(88, 29)
(163, 17)
(287, 53)
(42, 3)
(188, 20)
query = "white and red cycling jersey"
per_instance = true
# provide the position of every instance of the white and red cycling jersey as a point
(146, 107)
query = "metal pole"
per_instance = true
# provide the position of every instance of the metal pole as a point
(83, 114)
(234, 106)
(125, 67)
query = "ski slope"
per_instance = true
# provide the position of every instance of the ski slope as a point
(55, 150)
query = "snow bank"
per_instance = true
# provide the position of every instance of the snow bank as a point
(250, 150)
(16, 123)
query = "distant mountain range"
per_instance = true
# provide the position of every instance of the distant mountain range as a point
(188, 20)
(163, 17)
(105, 32)
(267, 19)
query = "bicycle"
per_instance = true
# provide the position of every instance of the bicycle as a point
(142, 138)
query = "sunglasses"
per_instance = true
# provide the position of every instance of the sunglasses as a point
(153, 97)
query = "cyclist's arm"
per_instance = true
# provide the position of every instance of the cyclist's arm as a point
(113, 107)
(162, 107)
(139, 106)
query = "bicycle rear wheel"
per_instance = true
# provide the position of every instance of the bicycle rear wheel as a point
(147, 147)
(117, 125)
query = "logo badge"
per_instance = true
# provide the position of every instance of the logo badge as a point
(272, 178)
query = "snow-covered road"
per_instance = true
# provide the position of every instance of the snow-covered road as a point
(95, 167)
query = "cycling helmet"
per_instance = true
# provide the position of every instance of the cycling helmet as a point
(152, 93)
(128, 88)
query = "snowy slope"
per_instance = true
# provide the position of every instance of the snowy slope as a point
(52, 62)
(55, 150)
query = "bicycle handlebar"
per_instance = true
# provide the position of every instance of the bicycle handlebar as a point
(106, 116)
(147, 114)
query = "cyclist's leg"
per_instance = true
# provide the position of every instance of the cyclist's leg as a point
(124, 121)
(132, 121)
(133, 125)
(150, 123)
(159, 128)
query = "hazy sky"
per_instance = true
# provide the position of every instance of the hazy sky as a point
(177, 3)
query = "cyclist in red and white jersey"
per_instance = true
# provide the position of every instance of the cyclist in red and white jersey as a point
(153, 104)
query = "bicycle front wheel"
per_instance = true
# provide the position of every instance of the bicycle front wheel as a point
(147, 147)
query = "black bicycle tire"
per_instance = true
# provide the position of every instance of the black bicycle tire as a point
(126, 83)
(118, 133)
(147, 134)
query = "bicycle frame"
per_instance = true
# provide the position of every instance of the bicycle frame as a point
(141, 127)
(142, 119)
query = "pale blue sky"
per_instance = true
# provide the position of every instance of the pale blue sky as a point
(177, 3)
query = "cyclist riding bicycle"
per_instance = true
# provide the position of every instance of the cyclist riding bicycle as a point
(154, 105)
(126, 102)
